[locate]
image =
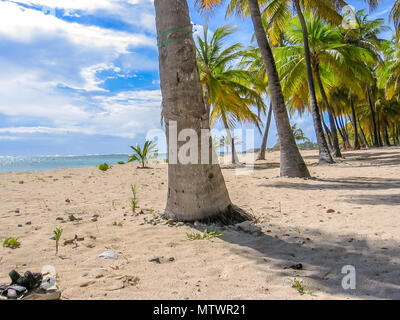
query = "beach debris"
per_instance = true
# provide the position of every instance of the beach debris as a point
(74, 240)
(162, 259)
(297, 266)
(60, 219)
(17, 211)
(155, 260)
(87, 283)
(330, 211)
(73, 218)
(94, 219)
(28, 286)
(247, 226)
(109, 255)
(49, 276)
(20, 226)
(28, 223)
(67, 201)
(52, 237)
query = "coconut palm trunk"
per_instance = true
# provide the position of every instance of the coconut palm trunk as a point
(231, 142)
(371, 106)
(261, 154)
(291, 162)
(195, 191)
(354, 120)
(324, 154)
(335, 140)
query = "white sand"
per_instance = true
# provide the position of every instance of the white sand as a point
(363, 231)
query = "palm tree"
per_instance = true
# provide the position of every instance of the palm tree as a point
(143, 155)
(291, 164)
(230, 91)
(195, 191)
(366, 35)
(252, 60)
(329, 57)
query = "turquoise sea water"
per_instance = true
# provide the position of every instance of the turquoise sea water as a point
(39, 163)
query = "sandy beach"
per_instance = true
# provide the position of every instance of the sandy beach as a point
(348, 215)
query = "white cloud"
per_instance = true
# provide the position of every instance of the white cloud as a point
(53, 71)
(26, 25)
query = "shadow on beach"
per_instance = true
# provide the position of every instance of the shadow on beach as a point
(323, 257)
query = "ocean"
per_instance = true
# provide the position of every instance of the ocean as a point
(40, 163)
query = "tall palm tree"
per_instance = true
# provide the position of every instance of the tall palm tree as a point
(365, 34)
(252, 60)
(330, 57)
(327, 9)
(291, 162)
(195, 191)
(230, 91)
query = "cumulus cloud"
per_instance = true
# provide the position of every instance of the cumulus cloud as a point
(54, 71)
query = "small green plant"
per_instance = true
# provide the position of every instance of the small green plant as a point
(204, 236)
(104, 167)
(121, 162)
(21, 182)
(300, 287)
(148, 152)
(11, 242)
(134, 200)
(117, 224)
(113, 204)
(57, 232)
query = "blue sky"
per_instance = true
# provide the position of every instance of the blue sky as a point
(81, 76)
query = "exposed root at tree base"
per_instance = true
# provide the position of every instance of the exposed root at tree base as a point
(232, 215)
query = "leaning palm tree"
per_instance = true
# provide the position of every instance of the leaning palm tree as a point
(327, 9)
(252, 60)
(291, 162)
(196, 191)
(229, 91)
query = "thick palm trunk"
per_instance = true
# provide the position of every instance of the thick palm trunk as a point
(292, 164)
(324, 154)
(335, 140)
(261, 154)
(353, 113)
(371, 106)
(195, 191)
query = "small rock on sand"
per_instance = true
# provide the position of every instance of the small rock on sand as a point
(246, 226)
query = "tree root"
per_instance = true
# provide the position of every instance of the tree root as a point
(231, 215)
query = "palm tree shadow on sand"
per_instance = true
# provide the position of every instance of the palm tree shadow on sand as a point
(323, 256)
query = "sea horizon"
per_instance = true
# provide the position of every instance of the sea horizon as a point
(54, 162)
